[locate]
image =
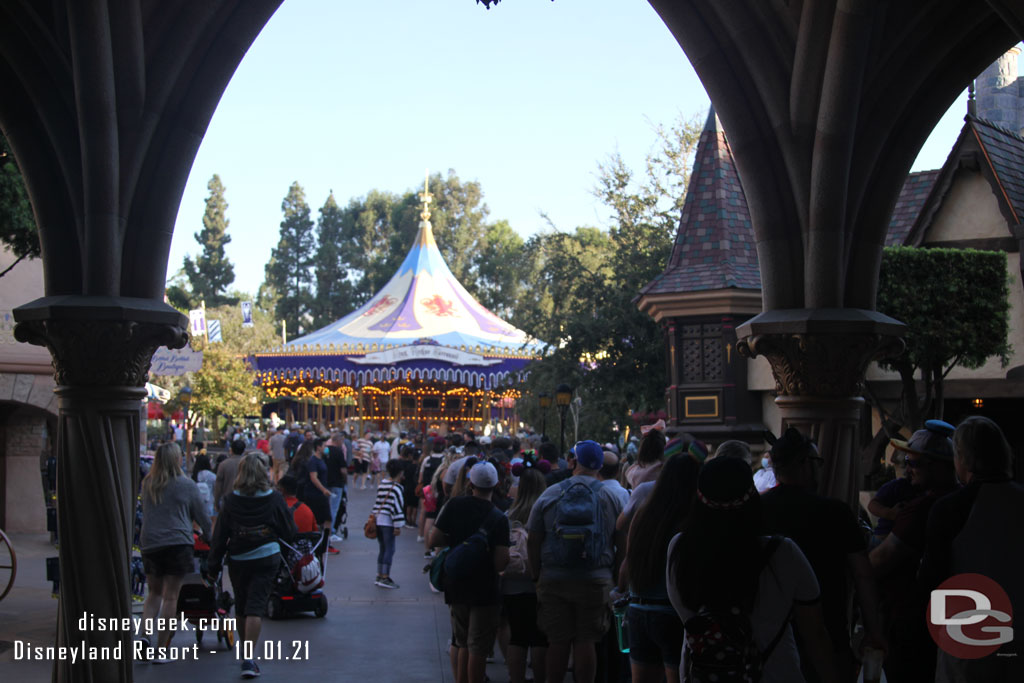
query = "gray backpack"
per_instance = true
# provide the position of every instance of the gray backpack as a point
(578, 538)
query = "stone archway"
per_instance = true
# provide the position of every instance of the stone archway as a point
(105, 103)
(26, 440)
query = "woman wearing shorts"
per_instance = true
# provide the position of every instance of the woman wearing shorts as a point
(655, 630)
(170, 503)
(253, 519)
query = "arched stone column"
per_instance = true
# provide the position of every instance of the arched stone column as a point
(104, 105)
(826, 105)
(101, 348)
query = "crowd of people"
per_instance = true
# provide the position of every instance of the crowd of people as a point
(719, 565)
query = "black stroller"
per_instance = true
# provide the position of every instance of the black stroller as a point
(199, 601)
(299, 584)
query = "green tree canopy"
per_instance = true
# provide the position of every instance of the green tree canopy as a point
(17, 224)
(955, 303)
(225, 384)
(211, 273)
(581, 289)
(289, 271)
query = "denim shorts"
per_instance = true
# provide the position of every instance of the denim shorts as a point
(655, 636)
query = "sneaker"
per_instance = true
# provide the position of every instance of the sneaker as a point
(161, 660)
(386, 582)
(429, 555)
(333, 551)
(335, 538)
(410, 526)
(250, 669)
(420, 539)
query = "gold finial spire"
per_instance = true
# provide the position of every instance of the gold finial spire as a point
(426, 197)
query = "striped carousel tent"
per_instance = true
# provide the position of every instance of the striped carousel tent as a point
(422, 353)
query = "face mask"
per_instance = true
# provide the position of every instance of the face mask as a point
(765, 462)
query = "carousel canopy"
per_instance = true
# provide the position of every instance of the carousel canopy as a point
(422, 325)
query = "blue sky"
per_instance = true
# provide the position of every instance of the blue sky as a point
(526, 98)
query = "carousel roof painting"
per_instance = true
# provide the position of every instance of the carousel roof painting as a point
(423, 323)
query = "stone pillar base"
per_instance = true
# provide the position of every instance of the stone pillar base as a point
(832, 423)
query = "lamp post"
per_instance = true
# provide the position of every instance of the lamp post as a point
(544, 399)
(186, 395)
(563, 397)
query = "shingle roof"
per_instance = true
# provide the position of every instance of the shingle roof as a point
(1005, 152)
(912, 197)
(714, 246)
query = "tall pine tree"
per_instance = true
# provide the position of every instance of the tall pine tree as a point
(211, 273)
(290, 269)
(334, 289)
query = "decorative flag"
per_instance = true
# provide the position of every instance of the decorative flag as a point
(247, 314)
(197, 321)
(214, 331)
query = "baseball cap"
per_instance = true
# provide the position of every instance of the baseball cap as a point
(589, 454)
(483, 475)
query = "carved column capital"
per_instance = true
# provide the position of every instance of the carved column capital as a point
(100, 341)
(829, 366)
(823, 352)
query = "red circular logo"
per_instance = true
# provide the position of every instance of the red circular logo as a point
(969, 616)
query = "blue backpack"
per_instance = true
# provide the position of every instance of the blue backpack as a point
(578, 539)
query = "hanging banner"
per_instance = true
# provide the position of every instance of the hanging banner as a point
(247, 314)
(197, 321)
(175, 362)
(214, 331)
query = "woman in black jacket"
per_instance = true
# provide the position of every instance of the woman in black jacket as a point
(253, 519)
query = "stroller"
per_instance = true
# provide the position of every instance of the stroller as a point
(299, 584)
(341, 519)
(197, 600)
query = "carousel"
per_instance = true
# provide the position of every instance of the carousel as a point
(422, 354)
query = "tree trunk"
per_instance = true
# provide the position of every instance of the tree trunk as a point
(940, 402)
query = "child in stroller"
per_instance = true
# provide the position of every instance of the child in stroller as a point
(299, 584)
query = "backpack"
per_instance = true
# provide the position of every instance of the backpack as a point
(578, 539)
(436, 569)
(518, 567)
(307, 574)
(471, 558)
(720, 643)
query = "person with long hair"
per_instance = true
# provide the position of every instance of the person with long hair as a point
(655, 631)
(648, 459)
(720, 564)
(518, 594)
(254, 518)
(170, 504)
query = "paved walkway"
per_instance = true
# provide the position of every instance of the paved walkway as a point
(369, 633)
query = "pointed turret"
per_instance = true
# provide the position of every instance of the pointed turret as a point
(714, 246)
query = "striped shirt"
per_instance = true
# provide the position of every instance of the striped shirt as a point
(390, 504)
(363, 448)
